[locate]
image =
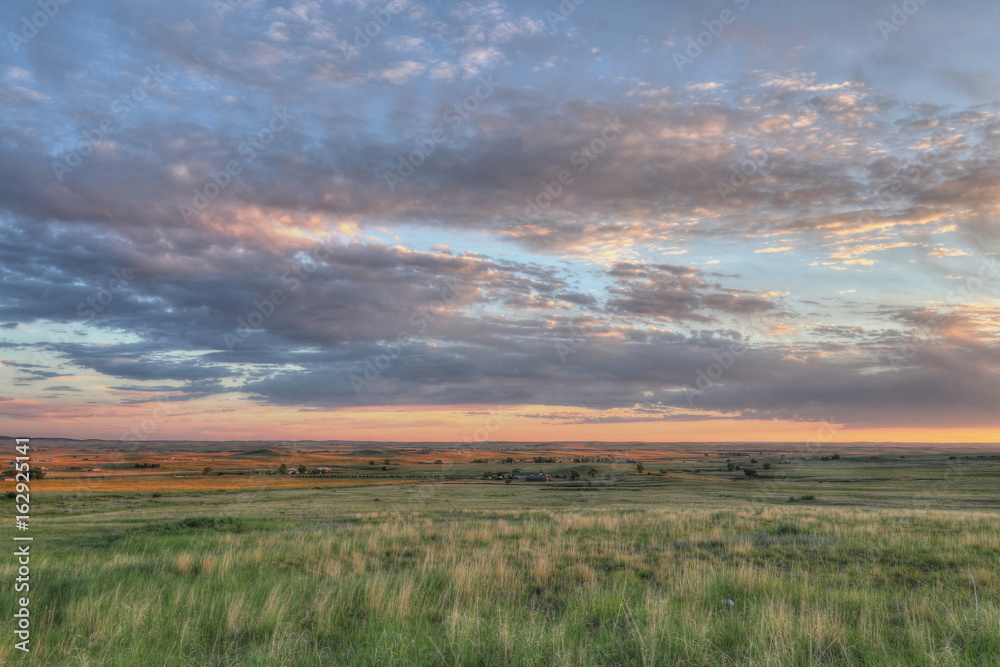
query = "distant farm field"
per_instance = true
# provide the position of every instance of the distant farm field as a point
(848, 562)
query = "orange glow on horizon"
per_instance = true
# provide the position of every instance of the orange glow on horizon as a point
(228, 419)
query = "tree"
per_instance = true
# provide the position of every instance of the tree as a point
(507, 481)
(282, 469)
(371, 463)
(385, 462)
(750, 472)
(666, 471)
(573, 474)
(639, 468)
(767, 465)
(592, 472)
(206, 470)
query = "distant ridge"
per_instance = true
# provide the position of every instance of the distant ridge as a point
(262, 452)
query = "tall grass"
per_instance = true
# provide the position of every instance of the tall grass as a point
(768, 586)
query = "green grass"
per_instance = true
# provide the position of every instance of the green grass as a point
(634, 570)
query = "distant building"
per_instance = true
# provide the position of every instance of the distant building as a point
(321, 470)
(532, 476)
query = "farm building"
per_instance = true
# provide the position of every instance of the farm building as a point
(322, 470)
(532, 476)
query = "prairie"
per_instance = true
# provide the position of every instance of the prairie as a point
(872, 559)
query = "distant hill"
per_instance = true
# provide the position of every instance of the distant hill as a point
(368, 452)
(265, 452)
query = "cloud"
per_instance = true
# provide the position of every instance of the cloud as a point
(521, 259)
(400, 72)
(678, 294)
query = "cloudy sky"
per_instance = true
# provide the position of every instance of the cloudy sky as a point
(358, 219)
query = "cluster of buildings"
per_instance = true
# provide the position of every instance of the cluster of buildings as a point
(525, 476)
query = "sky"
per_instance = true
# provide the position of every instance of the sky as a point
(724, 220)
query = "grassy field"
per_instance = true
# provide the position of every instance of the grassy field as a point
(880, 558)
